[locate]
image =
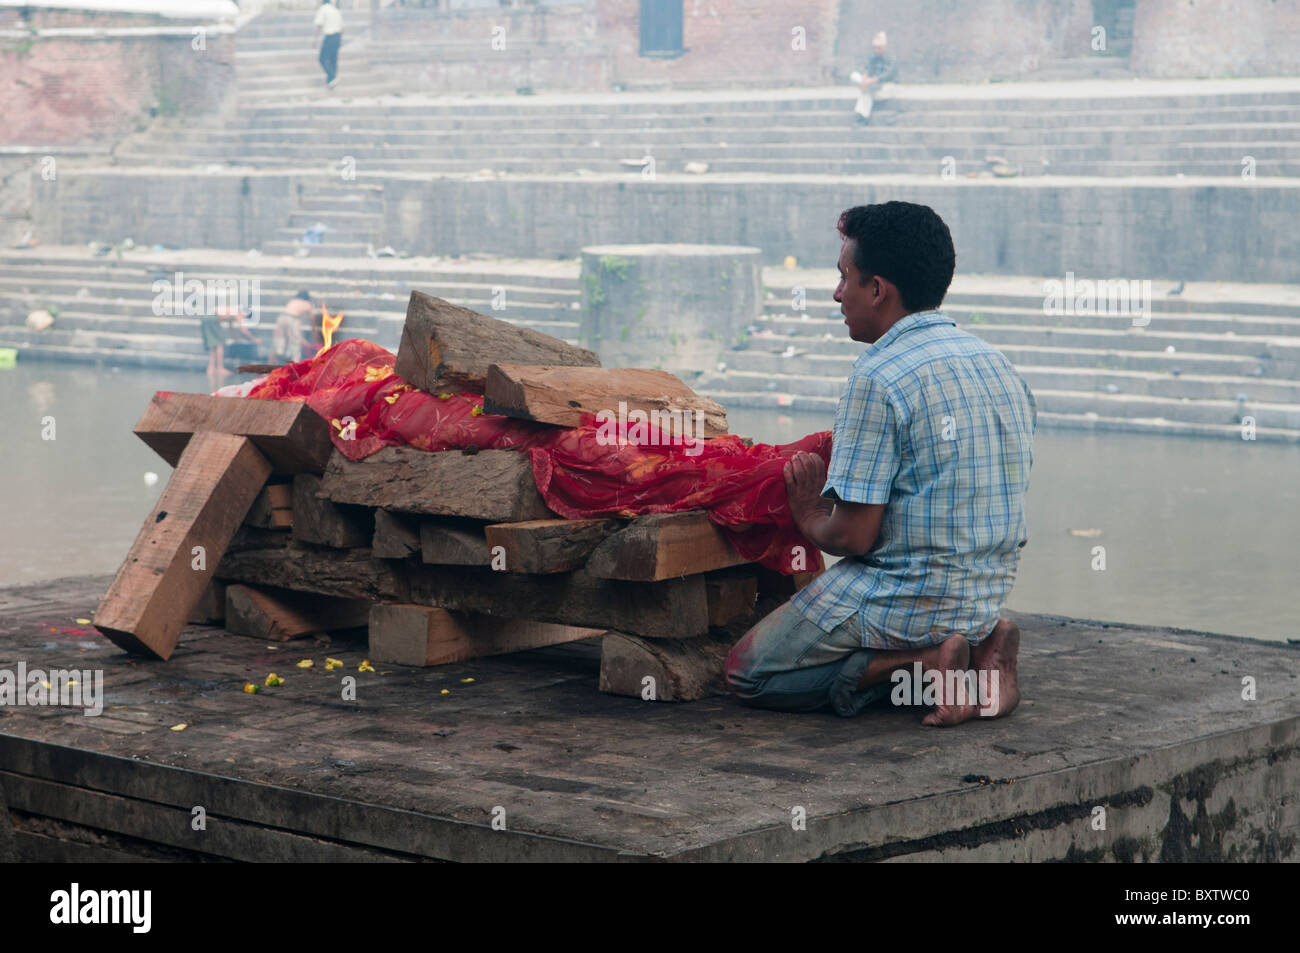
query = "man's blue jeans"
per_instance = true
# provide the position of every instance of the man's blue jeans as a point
(789, 664)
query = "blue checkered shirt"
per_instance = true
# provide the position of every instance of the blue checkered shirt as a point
(936, 424)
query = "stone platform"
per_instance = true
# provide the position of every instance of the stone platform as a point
(1148, 724)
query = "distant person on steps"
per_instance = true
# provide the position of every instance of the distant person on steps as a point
(877, 82)
(329, 23)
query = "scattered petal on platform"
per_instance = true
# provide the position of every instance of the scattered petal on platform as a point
(82, 621)
(181, 727)
(250, 688)
(466, 681)
(445, 691)
(273, 680)
(306, 663)
(332, 663)
(365, 666)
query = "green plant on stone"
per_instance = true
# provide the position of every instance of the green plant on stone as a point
(595, 293)
(616, 266)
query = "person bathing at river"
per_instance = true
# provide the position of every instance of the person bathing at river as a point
(924, 497)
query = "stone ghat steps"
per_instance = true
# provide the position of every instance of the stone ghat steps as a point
(794, 326)
(109, 311)
(36, 268)
(700, 145)
(734, 131)
(575, 163)
(824, 377)
(1015, 106)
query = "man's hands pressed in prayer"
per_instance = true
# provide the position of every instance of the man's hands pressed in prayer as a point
(836, 527)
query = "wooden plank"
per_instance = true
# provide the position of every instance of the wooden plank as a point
(273, 508)
(543, 546)
(291, 435)
(564, 395)
(396, 536)
(493, 485)
(347, 573)
(674, 609)
(453, 543)
(211, 607)
(730, 598)
(659, 670)
(421, 635)
(320, 521)
(663, 546)
(446, 347)
(216, 479)
(278, 616)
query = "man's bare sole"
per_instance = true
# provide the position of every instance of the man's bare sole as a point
(1000, 652)
(954, 656)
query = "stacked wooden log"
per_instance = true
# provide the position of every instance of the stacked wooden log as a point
(444, 556)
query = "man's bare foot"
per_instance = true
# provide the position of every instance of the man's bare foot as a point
(954, 656)
(998, 653)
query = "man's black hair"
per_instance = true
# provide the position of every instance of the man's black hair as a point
(304, 294)
(907, 244)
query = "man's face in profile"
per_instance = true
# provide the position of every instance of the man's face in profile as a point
(855, 300)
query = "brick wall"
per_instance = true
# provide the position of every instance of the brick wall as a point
(728, 42)
(1211, 38)
(66, 91)
(957, 40)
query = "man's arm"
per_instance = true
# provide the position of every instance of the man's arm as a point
(833, 526)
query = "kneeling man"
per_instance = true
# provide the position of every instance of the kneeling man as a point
(924, 497)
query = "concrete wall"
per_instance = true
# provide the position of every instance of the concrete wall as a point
(1216, 38)
(168, 208)
(1229, 232)
(60, 89)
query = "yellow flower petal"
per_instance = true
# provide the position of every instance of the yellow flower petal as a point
(445, 691)
(250, 688)
(306, 663)
(365, 666)
(466, 681)
(82, 621)
(181, 727)
(273, 680)
(332, 663)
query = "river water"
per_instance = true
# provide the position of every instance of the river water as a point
(1199, 534)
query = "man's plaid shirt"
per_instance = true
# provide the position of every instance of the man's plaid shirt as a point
(937, 425)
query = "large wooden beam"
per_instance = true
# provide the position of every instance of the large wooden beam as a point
(396, 536)
(320, 521)
(658, 670)
(663, 546)
(677, 608)
(453, 543)
(348, 573)
(421, 635)
(446, 347)
(492, 485)
(543, 546)
(291, 435)
(277, 616)
(217, 477)
(563, 395)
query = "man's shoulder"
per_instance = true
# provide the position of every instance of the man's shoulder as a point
(897, 369)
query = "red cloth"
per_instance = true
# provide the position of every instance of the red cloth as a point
(579, 474)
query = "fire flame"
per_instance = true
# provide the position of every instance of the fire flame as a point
(329, 323)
